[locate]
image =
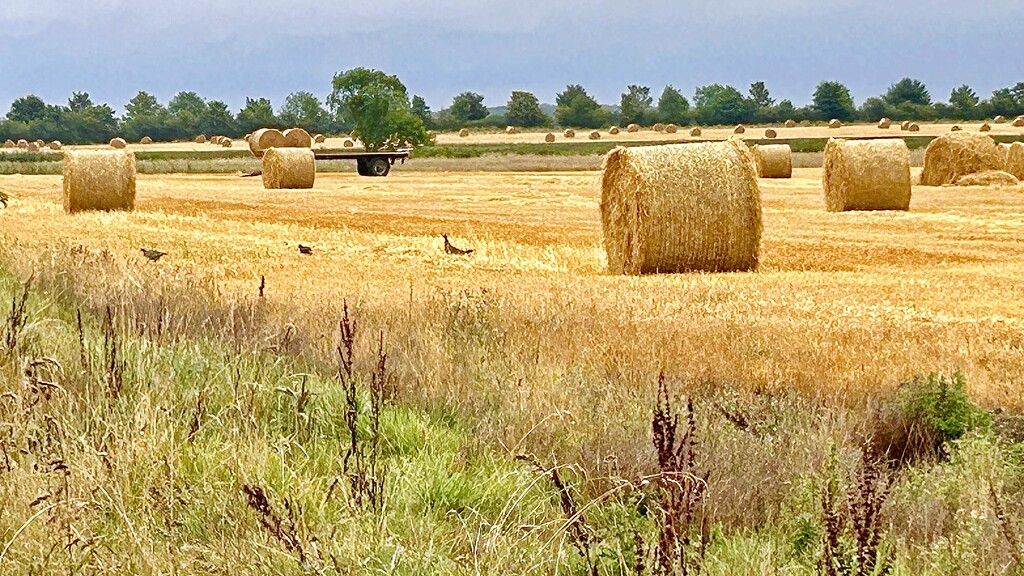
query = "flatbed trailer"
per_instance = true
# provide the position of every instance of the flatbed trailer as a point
(377, 163)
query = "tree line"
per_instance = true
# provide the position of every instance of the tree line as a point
(187, 114)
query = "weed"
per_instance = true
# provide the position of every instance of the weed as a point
(16, 319)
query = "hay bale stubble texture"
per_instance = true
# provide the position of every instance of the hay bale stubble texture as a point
(773, 160)
(264, 139)
(289, 168)
(957, 154)
(681, 207)
(297, 138)
(987, 178)
(866, 175)
(1012, 156)
(99, 180)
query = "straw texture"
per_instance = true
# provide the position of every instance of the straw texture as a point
(866, 175)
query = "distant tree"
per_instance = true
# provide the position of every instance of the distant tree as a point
(578, 109)
(1007, 101)
(523, 109)
(673, 106)
(422, 111)
(304, 110)
(908, 91)
(785, 110)
(188, 109)
(377, 105)
(467, 107)
(876, 108)
(964, 101)
(86, 122)
(635, 105)
(759, 95)
(718, 104)
(29, 108)
(257, 113)
(79, 101)
(832, 100)
(145, 116)
(217, 119)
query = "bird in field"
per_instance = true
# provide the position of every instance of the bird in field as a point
(451, 249)
(153, 254)
(305, 249)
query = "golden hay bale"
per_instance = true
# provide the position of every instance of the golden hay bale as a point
(23, 144)
(999, 119)
(739, 129)
(226, 142)
(595, 135)
(297, 138)
(905, 125)
(769, 133)
(213, 140)
(773, 160)
(671, 128)
(1004, 151)
(866, 174)
(549, 137)
(201, 139)
(1012, 156)
(987, 178)
(955, 128)
(510, 130)
(659, 127)
(914, 127)
(614, 130)
(681, 207)
(986, 127)
(884, 123)
(956, 154)
(835, 123)
(289, 168)
(790, 123)
(118, 143)
(633, 128)
(348, 143)
(9, 143)
(146, 140)
(463, 133)
(264, 139)
(40, 143)
(32, 147)
(99, 180)
(1018, 121)
(569, 133)
(695, 132)
(56, 145)
(319, 139)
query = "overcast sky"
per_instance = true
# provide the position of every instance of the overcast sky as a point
(230, 49)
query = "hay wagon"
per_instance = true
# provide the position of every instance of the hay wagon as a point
(377, 163)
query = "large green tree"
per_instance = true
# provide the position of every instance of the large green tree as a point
(578, 109)
(718, 104)
(673, 106)
(84, 121)
(523, 109)
(188, 109)
(832, 100)
(257, 113)
(759, 95)
(145, 116)
(635, 105)
(467, 107)
(422, 111)
(377, 105)
(217, 119)
(908, 91)
(303, 109)
(30, 108)
(964, 101)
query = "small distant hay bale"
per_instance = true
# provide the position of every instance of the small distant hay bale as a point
(226, 142)
(510, 130)
(146, 140)
(1012, 156)
(289, 168)
(769, 133)
(1000, 119)
(659, 127)
(633, 128)
(884, 123)
(1018, 121)
(23, 144)
(835, 123)
(569, 133)
(957, 154)
(614, 130)
(681, 207)
(118, 143)
(866, 174)
(464, 133)
(201, 139)
(914, 127)
(264, 139)
(955, 128)
(987, 178)
(32, 147)
(40, 143)
(773, 160)
(319, 139)
(905, 125)
(9, 143)
(790, 123)
(56, 145)
(348, 143)
(595, 135)
(297, 138)
(695, 132)
(986, 127)
(739, 129)
(671, 128)
(549, 137)
(99, 180)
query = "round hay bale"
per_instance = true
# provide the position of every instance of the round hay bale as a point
(510, 130)
(987, 178)
(769, 133)
(319, 139)
(914, 127)
(32, 147)
(790, 123)
(739, 129)
(633, 128)
(1018, 121)
(549, 137)
(463, 133)
(659, 127)
(671, 128)
(613, 130)
(264, 139)
(9, 143)
(1012, 156)
(569, 133)
(955, 128)
(773, 160)
(348, 143)
(99, 180)
(956, 154)
(905, 125)
(986, 127)
(866, 174)
(1004, 151)
(201, 139)
(884, 124)
(56, 145)
(695, 132)
(213, 140)
(595, 135)
(289, 168)
(1000, 119)
(118, 143)
(226, 142)
(681, 207)
(40, 143)
(23, 144)
(297, 138)
(835, 123)
(146, 140)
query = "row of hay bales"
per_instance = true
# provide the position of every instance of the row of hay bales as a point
(33, 146)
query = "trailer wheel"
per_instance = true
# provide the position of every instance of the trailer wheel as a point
(378, 166)
(362, 167)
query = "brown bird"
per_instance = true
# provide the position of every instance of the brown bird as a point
(450, 249)
(305, 249)
(152, 254)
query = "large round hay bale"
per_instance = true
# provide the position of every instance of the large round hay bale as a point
(1004, 151)
(463, 133)
(866, 174)
(146, 140)
(955, 128)
(297, 138)
(118, 143)
(1012, 156)
(773, 160)
(987, 178)
(201, 139)
(264, 139)
(56, 145)
(549, 137)
(510, 130)
(905, 125)
(695, 132)
(1000, 119)
(659, 127)
(99, 180)
(986, 127)
(790, 123)
(769, 133)
(956, 154)
(914, 127)
(348, 143)
(835, 123)
(632, 128)
(319, 139)
(23, 144)
(595, 135)
(884, 123)
(290, 168)
(613, 130)
(1018, 121)
(9, 143)
(681, 207)
(569, 133)
(739, 129)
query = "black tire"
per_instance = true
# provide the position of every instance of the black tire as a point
(378, 166)
(361, 167)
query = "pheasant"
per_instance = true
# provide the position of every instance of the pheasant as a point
(305, 249)
(450, 249)
(152, 254)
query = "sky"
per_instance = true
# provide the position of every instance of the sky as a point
(229, 49)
